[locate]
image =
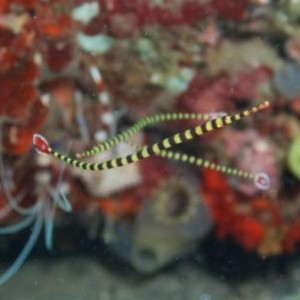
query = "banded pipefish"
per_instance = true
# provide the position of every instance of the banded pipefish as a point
(261, 180)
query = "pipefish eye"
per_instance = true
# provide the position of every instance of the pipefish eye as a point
(262, 181)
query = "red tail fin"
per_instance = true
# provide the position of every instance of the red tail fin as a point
(41, 144)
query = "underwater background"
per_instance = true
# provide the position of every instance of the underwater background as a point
(150, 149)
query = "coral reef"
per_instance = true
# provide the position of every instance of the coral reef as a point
(79, 72)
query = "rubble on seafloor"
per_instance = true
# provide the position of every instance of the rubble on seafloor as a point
(81, 71)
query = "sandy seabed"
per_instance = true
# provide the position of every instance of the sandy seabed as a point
(80, 278)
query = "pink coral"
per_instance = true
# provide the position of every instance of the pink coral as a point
(216, 94)
(247, 150)
(206, 95)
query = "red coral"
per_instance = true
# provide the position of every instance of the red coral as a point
(57, 26)
(231, 9)
(124, 206)
(222, 202)
(266, 207)
(219, 199)
(17, 87)
(59, 54)
(51, 23)
(256, 223)
(248, 232)
(116, 13)
(18, 73)
(292, 236)
(5, 5)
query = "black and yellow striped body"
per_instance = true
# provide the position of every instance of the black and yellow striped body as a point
(199, 162)
(165, 144)
(147, 121)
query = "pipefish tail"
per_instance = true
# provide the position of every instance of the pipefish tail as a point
(144, 122)
(43, 147)
(261, 180)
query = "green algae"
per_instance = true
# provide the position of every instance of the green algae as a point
(293, 157)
